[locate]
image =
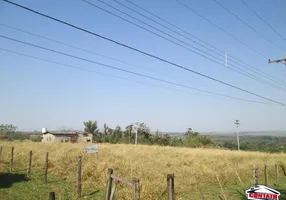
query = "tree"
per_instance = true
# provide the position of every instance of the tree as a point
(117, 134)
(190, 132)
(128, 131)
(105, 129)
(193, 139)
(7, 129)
(157, 132)
(91, 127)
(143, 132)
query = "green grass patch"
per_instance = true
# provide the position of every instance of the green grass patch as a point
(15, 186)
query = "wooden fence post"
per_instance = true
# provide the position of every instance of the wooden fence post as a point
(12, 159)
(0, 153)
(46, 167)
(109, 184)
(52, 196)
(29, 164)
(255, 175)
(136, 189)
(171, 186)
(276, 174)
(265, 175)
(79, 188)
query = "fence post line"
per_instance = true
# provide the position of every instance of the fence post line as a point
(276, 174)
(109, 184)
(29, 164)
(0, 153)
(136, 189)
(170, 186)
(255, 175)
(52, 196)
(173, 186)
(79, 185)
(265, 175)
(12, 160)
(46, 167)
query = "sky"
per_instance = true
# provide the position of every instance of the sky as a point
(37, 93)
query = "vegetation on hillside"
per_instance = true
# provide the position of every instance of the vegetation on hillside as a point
(191, 138)
(144, 136)
(269, 144)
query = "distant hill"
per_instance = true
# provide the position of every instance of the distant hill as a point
(249, 133)
(243, 133)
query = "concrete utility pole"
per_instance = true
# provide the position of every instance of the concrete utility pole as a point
(283, 60)
(135, 129)
(136, 137)
(129, 130)
(237, 133)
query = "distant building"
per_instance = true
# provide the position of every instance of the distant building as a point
(67, 136)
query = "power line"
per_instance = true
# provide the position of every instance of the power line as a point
(240, 71)
(147, 54)
(74, 47)
(100, 73)
(174, 31)
(148, 30)
(269, 25)
(266, 76)
(138, 74)
(249, 26)
(219, 50)
(223, 30)
(109, 66)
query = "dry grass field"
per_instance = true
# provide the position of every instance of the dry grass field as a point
(196, 170)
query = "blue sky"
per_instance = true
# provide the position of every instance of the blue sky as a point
(36, 94)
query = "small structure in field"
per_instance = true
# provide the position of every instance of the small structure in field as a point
(66, 136)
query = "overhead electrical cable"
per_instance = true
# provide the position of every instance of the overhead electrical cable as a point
(147, 54)
(138, 74)
(240, 71)
(269, 25)
(230, 57)
(249, 26)
(223, 30)
(75, 47)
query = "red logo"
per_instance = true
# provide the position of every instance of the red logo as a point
(261, 192)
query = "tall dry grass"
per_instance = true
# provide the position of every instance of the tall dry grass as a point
(193, 168)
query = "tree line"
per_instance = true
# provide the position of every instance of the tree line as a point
(190, 138)
(144, 136)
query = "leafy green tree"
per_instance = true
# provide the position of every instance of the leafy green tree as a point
(229, 145)
(194, 139)
(128, 133)
(91, 127)
(157, 132)
(177, 141)
(117, 134)
(144, 133)
(105, 129)
(7, 130)
(190, 132)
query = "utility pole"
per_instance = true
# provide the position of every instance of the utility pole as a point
(283, 60)
(129, 127)
(136, 136)
(236, 122)
(135, 129)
